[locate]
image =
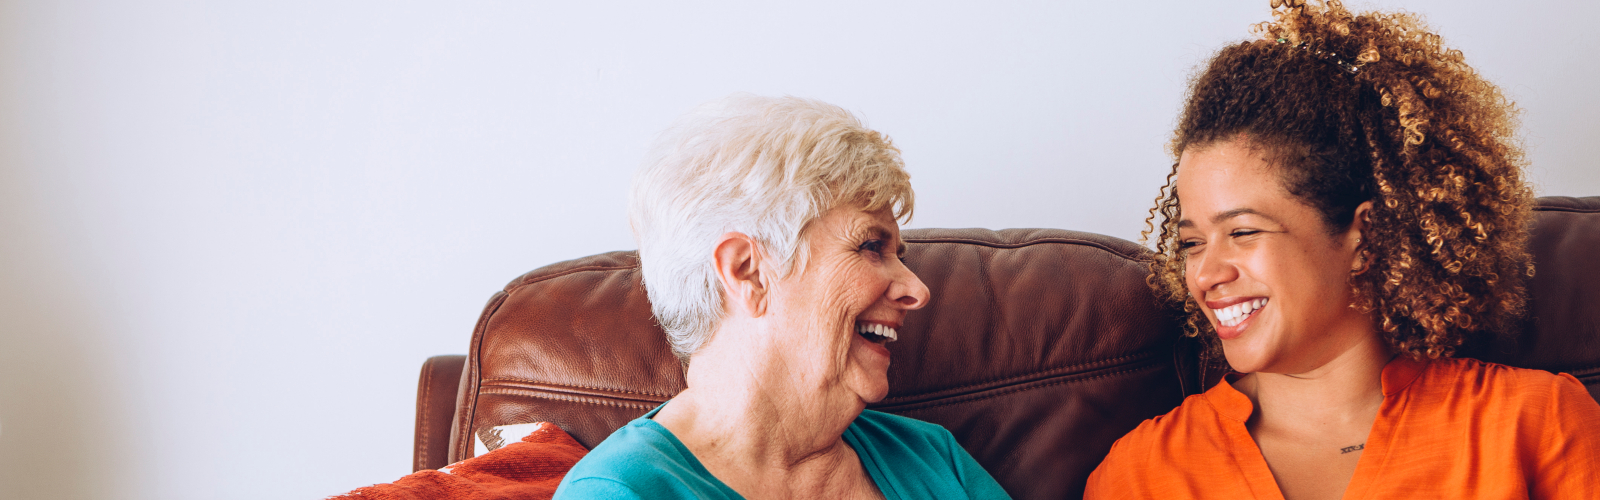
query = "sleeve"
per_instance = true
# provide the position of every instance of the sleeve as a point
(595, 487)
(974, 479)
(1568, 461)
(1112, 479)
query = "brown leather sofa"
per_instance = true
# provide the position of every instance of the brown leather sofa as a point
(1040, 347)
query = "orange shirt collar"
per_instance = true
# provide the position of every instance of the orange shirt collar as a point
(1400, 373)
(1229, 402)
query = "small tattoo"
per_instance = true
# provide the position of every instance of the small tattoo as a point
(1349, 449)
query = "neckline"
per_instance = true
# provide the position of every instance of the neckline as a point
(1235, 408)
(851, 439)
(647, 421)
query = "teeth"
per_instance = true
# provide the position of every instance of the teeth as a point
(879, 330)
(1234, 314)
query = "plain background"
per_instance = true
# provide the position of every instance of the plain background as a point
(230, 232)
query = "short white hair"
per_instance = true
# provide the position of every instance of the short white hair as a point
(762, 166)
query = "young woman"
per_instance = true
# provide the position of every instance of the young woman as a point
(1346, 209)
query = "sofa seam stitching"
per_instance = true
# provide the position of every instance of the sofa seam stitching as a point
(1026, 243)
(938, 239)
(1014, 390)
(1051, 373)
(427, 384)
(529, 281)
(529, 381)
(535, 393)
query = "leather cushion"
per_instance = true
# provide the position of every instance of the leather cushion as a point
(1562, 333)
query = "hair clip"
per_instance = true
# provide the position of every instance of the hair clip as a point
(1328, 57)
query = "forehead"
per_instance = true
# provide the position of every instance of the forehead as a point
(849, 221)
(1226, 176)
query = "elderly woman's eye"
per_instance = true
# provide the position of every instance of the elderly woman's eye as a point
(874, 246)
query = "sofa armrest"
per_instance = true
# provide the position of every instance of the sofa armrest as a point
(436, 408)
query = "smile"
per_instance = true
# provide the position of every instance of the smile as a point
(1237, 313)
(876, 333)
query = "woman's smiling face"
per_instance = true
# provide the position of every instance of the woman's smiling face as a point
(851, 280)
(1271, 276)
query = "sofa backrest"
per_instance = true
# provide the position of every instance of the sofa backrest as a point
(1038, 349)
(1562, 333)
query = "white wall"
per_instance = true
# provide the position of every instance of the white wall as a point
(231, 233)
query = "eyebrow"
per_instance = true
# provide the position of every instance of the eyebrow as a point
(1216, 219)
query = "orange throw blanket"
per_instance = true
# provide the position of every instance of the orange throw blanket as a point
(528, 469)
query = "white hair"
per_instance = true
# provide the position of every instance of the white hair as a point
(761, 166)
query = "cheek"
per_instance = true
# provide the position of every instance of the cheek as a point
(1189, 283)
(862, 285)
(1295, 271)
(841, 291)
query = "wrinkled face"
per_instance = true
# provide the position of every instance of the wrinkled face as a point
(1262, 264)
(848, 300)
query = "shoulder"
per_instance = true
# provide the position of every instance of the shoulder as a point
(639, 457)
(1163, 435)
(1535, 401)
(1544, 422)
(917, 459)
(1187, 450)
(889, 433)
(877, 422)
(594, 487)
(1487, 373)
(1481, 381)
(1197, 425)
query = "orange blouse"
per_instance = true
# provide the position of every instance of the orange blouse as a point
(1449, 428)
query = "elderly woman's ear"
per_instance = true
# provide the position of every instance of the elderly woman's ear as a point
(738, 260)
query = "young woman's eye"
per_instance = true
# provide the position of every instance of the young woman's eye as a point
(1186, 245)
(1243, 232)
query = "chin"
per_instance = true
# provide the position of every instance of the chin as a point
(875, 396)
(1241, 359)
(876, 390)
(873, 388)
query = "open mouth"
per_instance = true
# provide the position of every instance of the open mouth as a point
(876, 333)
(1237, 313)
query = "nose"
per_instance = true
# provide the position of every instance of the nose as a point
(1213, 267)
(908, 290)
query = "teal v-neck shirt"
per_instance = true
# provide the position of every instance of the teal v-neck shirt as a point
(907, 459)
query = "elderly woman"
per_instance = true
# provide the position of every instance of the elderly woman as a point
(1347, 208)
(770, 247)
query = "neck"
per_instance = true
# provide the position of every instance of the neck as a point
(748, 407)
(1347, 389)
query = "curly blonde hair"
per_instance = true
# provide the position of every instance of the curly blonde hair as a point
(1372, 107)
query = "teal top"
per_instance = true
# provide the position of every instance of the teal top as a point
(906, 458)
